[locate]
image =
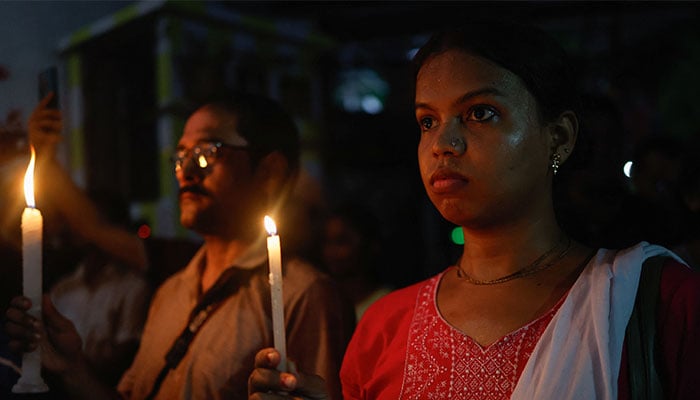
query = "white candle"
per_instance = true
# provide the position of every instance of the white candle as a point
(274, 256)
(32, 224)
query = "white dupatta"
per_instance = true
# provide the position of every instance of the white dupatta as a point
(579, 354)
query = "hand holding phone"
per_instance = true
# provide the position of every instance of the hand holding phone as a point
(48, 82)
(45, 123)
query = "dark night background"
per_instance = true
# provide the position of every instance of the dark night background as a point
(639, 63)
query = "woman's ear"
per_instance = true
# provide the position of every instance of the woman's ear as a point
(563, 134)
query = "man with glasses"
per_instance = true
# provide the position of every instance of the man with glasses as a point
(236, 161)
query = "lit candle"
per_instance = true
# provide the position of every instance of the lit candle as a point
(274, 258)
(32, 223)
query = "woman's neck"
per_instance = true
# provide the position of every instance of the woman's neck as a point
(493, 254)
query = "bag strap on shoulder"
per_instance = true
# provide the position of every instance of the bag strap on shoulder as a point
(228, 283)
(645, 382)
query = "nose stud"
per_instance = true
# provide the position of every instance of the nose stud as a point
(457, 144)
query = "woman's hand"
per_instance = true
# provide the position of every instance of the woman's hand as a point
(266, 383)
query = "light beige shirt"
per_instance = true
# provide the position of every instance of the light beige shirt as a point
(106, 313)
(221, 356)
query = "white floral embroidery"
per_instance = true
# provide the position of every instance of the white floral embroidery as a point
(444, 363)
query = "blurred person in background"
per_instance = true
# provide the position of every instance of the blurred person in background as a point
(352, 254)
(70, 217)
(105, 300)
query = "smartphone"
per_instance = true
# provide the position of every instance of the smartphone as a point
(48, 82)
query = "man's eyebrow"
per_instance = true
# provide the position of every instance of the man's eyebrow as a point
(469, 95)
(201, 141)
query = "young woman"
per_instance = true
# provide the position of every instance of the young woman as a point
(527, 312)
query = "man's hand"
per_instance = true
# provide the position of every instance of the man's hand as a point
(61, 346)
(266, 383)
(45, 125)
(22, 329)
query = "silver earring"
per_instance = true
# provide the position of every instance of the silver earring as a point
(457, 144)
(556, 162)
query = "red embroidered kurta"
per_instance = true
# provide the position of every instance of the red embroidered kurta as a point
(403, 349)
(461, 367)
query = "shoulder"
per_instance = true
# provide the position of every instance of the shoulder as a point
(677, 278)
(313, 300)
(678, 327)
(382, 333)
(680, 285)
(394, 308)
(629, 261)
(308, 288)
(179, 282)
(676, 271)
(298, 268)
(300, 275)
(402, 298)
(178, 278)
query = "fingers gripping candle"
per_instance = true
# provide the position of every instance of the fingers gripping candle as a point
(274, 256)
(32, 225)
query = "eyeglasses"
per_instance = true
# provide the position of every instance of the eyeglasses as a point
(203, 155)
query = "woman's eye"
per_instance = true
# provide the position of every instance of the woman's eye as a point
(426, 123)
(481, 114)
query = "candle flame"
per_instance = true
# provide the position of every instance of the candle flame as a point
(29, 181)
(270, 226)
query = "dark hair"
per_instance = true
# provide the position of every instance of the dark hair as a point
(263, 123)
(528, 52)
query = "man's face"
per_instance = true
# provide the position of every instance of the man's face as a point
(217, 187)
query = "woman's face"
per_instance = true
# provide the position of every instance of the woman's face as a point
(484, 155)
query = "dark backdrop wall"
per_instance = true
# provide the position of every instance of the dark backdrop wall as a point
(638, 62)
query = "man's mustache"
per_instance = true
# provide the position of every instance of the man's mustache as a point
(193, 189)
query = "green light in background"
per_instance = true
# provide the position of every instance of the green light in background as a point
(457, 235)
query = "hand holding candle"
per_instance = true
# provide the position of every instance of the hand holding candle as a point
(274, 257)
(32, 226)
